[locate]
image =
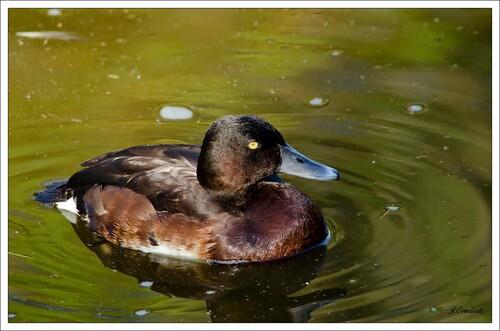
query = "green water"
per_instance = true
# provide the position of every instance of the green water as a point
(407, 124)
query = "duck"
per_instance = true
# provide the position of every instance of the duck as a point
(222, 201)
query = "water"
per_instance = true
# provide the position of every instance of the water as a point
(407, 124)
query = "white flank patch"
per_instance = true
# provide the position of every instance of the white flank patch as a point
(69, 210)
(73, 218)
(177, 252)
(68, 205)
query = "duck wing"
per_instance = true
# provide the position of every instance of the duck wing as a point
(165, 174)
(190, 153)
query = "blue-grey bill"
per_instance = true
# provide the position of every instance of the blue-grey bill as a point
(294, 163)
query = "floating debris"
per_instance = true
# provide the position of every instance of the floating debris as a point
(317, 101)
(20, 255)
(416, 108)
(175, 113)
(52, 35)
(12, 315)
(388, 209)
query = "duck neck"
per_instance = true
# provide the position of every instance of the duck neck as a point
(238, 199)
(224, 178)
(228, 192)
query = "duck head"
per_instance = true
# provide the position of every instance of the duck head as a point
(239, 151)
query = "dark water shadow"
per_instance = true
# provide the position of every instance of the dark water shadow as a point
(251, 292)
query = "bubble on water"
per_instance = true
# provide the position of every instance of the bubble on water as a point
(141, 312)
(317, 101)
(414, 108)
(175, 113)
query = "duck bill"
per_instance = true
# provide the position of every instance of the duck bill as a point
(294, 163)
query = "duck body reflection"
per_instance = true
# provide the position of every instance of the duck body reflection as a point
(250, 292)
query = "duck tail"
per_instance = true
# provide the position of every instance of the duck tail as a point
(55, 191)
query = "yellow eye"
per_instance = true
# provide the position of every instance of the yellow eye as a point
(253, 145)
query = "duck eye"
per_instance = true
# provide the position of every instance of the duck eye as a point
(253, 145)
